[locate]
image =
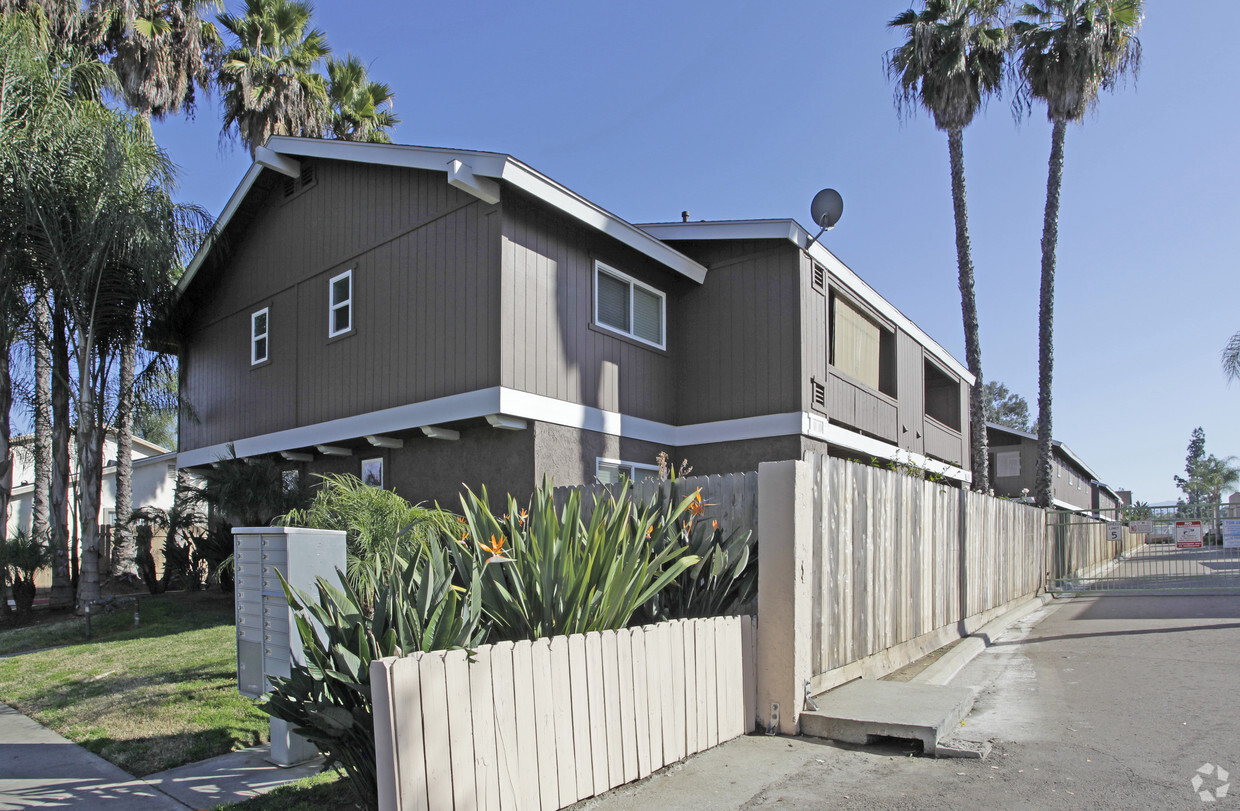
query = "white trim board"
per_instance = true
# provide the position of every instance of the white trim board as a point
(453, 163)
(535, 407)
(792, 231)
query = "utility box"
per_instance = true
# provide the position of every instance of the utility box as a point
(267, 639)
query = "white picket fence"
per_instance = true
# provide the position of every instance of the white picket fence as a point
(543, 724)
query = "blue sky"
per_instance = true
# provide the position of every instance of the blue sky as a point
(737, 110)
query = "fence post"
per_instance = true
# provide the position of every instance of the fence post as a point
(785, 601)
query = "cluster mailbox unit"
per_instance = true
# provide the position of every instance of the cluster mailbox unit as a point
(267, 640)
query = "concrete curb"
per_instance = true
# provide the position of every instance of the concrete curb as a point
(946, 668)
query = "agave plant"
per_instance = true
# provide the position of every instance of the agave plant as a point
(327, 699)
(543, 571)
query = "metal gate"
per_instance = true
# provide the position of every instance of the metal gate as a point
(1146, 550)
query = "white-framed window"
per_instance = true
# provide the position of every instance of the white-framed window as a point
(610, 471)
(259, 327)
(624, 305)
(340, 304)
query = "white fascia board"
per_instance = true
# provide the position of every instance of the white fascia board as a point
(389, 420)
(461, 176)
(481, 165)
(230, 209)
(576, 206)
(537, 408)
(819, 428)
(500, 167)
(277, 162)
(1060, 504)
(793, 232)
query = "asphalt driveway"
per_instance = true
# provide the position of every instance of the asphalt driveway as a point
(1093, 702)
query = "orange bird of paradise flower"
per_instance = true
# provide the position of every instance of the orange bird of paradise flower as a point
(521, 516)
(496, 549)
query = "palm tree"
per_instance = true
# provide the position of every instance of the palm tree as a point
(1216, 476)
(161, 53)
(1069, 50)
(270, 86)
(951, 62)
(1231, 358)
(361, 110)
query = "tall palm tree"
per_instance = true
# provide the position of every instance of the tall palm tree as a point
(162, 51)
(1216, 476)
(270, 85)
(1231, 358)
(950, 63)
(361, 109)
(1069, 50)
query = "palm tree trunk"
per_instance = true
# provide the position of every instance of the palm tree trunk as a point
(968, 307)
(90, 475)
(124, 551)
(40, 503)
(6, 462)
(1044, 480)
(61, 595)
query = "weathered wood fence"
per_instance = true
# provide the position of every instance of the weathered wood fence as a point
(863, 570)
(543, 724)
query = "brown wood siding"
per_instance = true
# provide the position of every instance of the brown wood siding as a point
(855, 405)
(549, 345)
(910, 393)
(943, 443)
(425, 304)
(739, 335)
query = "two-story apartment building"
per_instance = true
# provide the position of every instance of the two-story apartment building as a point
(430, 317)
(1074, 485)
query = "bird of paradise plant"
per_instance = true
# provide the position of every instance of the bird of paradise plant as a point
(545, 571)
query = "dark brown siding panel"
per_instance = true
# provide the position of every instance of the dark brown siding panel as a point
(814, 332)
(738, 336)
(550, 348)
(425, 311)
(910, 392)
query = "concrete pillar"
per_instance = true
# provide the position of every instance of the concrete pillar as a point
(785, 602)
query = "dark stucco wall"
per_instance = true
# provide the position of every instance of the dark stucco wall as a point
(569, 455)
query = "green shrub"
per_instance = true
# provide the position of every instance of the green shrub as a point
(723, 582)
(383, 531)
(328, 700)
(544, 572)
(23, 556)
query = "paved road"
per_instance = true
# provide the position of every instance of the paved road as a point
(1098, 702)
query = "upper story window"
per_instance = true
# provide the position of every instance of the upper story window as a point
(942, 396)
(624, 305)
(611, 471)
(860, 348)
(340, 314)
(258, 337)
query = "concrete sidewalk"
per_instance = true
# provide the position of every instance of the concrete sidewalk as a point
(41, 769)
(1094, 702)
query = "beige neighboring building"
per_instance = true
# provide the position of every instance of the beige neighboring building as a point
(154, 478)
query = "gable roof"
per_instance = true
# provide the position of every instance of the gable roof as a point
(792, 231)
(1057, 445)
(464, 168)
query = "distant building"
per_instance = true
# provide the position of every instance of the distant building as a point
(1075, 486)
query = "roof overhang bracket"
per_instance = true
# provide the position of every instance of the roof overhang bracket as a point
(461, 175)
(276, 162)
(506, 422)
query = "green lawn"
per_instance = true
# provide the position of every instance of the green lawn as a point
(147, 698)
(324, 790)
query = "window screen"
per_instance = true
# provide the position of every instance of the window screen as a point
(613, 302)
(855, 343)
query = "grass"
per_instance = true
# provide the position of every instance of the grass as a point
(147, 698)
(324, 790)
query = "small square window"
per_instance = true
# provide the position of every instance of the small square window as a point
(624, 305)
(258, 337)
(340, 314)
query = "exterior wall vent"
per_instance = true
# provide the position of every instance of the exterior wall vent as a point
(819, 393)
(819, 277)
(294, 185)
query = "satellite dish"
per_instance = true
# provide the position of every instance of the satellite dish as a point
(826, 208)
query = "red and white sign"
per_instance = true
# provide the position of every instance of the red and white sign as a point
(1188, 535)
